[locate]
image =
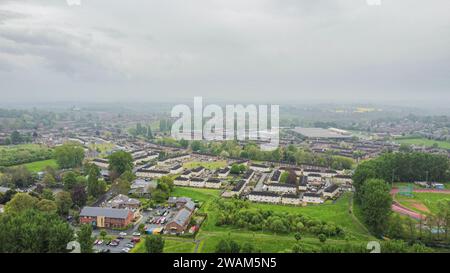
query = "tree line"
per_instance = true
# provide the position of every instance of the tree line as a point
(237, 213)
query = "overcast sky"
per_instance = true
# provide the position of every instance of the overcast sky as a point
(273, 50)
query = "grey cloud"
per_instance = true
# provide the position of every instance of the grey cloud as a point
(293, 50)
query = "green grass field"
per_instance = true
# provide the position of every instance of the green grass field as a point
(24, 153)
(171, 245)
(201, 195)
(40, 165)
(424, 142)
(208, 165)
(103, 148)
(210, 234)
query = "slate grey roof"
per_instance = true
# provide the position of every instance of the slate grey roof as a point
(123, 200)
(182, 217)
(264, 193)
(332, 188)
(107, 212)
(190, 205)
(282, 185)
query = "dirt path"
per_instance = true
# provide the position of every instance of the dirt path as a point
(355, 219)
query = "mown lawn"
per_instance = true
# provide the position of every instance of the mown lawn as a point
(103, 148)
(171, 245)
(213, 165)
(40, 165)
(210, 234)
(201, 195)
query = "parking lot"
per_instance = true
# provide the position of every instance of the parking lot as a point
(122, 241)
(121, 244)
(159, 217)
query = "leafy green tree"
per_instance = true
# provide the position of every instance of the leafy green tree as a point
(79, 196)
(322, 238)
(154, 244)
(376, 205)
(48, 194)
(235, 169)
(21, 202)
(84, 237)
(149, 132)
(292, 178)
(20, 176)
(121, 186)
(234, 246)
(63, 202)
(227, 246)
(248, 247)
(33, 231)
(298, 248)
(298, 236)
(47, 206)
(120, 162)
(69, 155)
(405, 148)
(184, 143)
(70, 180)
(222, 247)
(196, 145)
(95, 187)
(16, 138)
(128, 176)
(103, 234)
(49, 180)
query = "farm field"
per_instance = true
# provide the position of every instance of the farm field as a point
(213, 165)
(210, 234)
(424, 142)
(40, 165)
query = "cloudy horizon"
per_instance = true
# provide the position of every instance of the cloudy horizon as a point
(260, 50)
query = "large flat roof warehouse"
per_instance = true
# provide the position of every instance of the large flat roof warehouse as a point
(322, 133)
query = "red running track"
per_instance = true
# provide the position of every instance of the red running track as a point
(405, 211)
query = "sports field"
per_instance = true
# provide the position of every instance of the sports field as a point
(423, 202)
(424, 142)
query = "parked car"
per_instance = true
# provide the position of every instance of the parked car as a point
(135, 240)
(125, 250)
(123, 234)
(136, 234)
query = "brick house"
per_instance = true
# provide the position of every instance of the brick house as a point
(106, 217)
